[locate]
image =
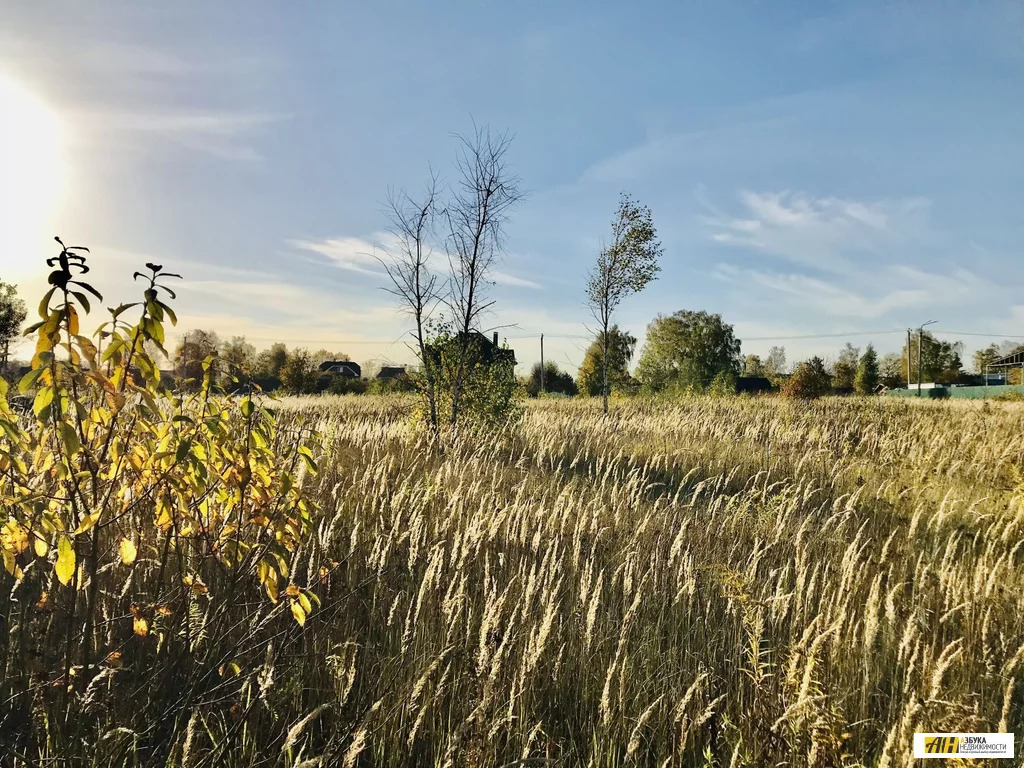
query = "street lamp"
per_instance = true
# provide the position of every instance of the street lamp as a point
(920, 343)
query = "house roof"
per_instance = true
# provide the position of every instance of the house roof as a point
(328, 365)
(1011, 360)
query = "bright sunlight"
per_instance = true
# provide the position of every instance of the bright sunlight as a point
(31, 168)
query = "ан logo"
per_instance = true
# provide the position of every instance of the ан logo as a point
(963, 745)
(941, 745)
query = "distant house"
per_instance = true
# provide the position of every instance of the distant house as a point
(488, 349)
(391, 372)
(752, 385)
(344, 368)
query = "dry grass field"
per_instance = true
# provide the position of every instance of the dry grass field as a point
(697, 582)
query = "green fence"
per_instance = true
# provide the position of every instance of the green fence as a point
(967, 393)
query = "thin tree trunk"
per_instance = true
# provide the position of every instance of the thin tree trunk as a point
(429, 371)
(604, 365)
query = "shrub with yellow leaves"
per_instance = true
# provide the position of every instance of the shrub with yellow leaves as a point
(114, 482)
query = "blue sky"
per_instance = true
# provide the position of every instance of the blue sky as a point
(813, 168)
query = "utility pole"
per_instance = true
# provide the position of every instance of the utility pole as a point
(908, 358)
(542, 363)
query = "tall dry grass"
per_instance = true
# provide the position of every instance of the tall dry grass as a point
(723, 582)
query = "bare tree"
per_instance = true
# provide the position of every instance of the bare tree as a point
(476, 216)
(623, 268)
(413, 282)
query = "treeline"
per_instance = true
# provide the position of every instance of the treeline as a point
(698, 352)
(234, 363)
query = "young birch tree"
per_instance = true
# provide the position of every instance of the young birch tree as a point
(623, 268)
(486, 190)
(413, 282)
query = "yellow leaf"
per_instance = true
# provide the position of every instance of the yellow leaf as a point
(306, 605)
(87, 523)
(39, 545)
(196, 585)
(65, 566)
(128, 551)
(11, 564)
(292, 591)
(72, 320)
(14, 537)
(298, 613)
(140, 619)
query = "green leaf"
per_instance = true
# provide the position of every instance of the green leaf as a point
(170, 313)
(183, 450)
(29, 379)
(42, 402)
(82, 299)
(89, 288)
(122, 308)
(70, 438)
(44, 305)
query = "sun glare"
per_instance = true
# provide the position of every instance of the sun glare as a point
(31, 173)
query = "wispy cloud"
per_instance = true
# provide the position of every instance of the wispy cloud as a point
(826, 233)
(225, 134)
(355, 254)
(361, 254)
(846, 258)
(504, 278)
(887, 291)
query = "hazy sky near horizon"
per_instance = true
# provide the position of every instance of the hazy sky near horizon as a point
(813, 167)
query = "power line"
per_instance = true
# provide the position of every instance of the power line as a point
(969, 333)
(823, 335)
(325, 341)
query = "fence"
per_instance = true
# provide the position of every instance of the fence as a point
(967, 393)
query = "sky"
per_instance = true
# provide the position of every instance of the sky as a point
(832, 170)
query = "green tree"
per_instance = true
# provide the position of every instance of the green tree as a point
(752, 366)
(687, 350)
(555, 381)
(809, 380)
(12, 315)
(239, 354)
(593, 371)
(724, 384)
(623, 268)
(299, 376)
(490, 392)
(940, 360)
(892, 374)
(985, 357)
(775, 365)
(867, 371)
(269, 364)
(194, 348)
(844, 371)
